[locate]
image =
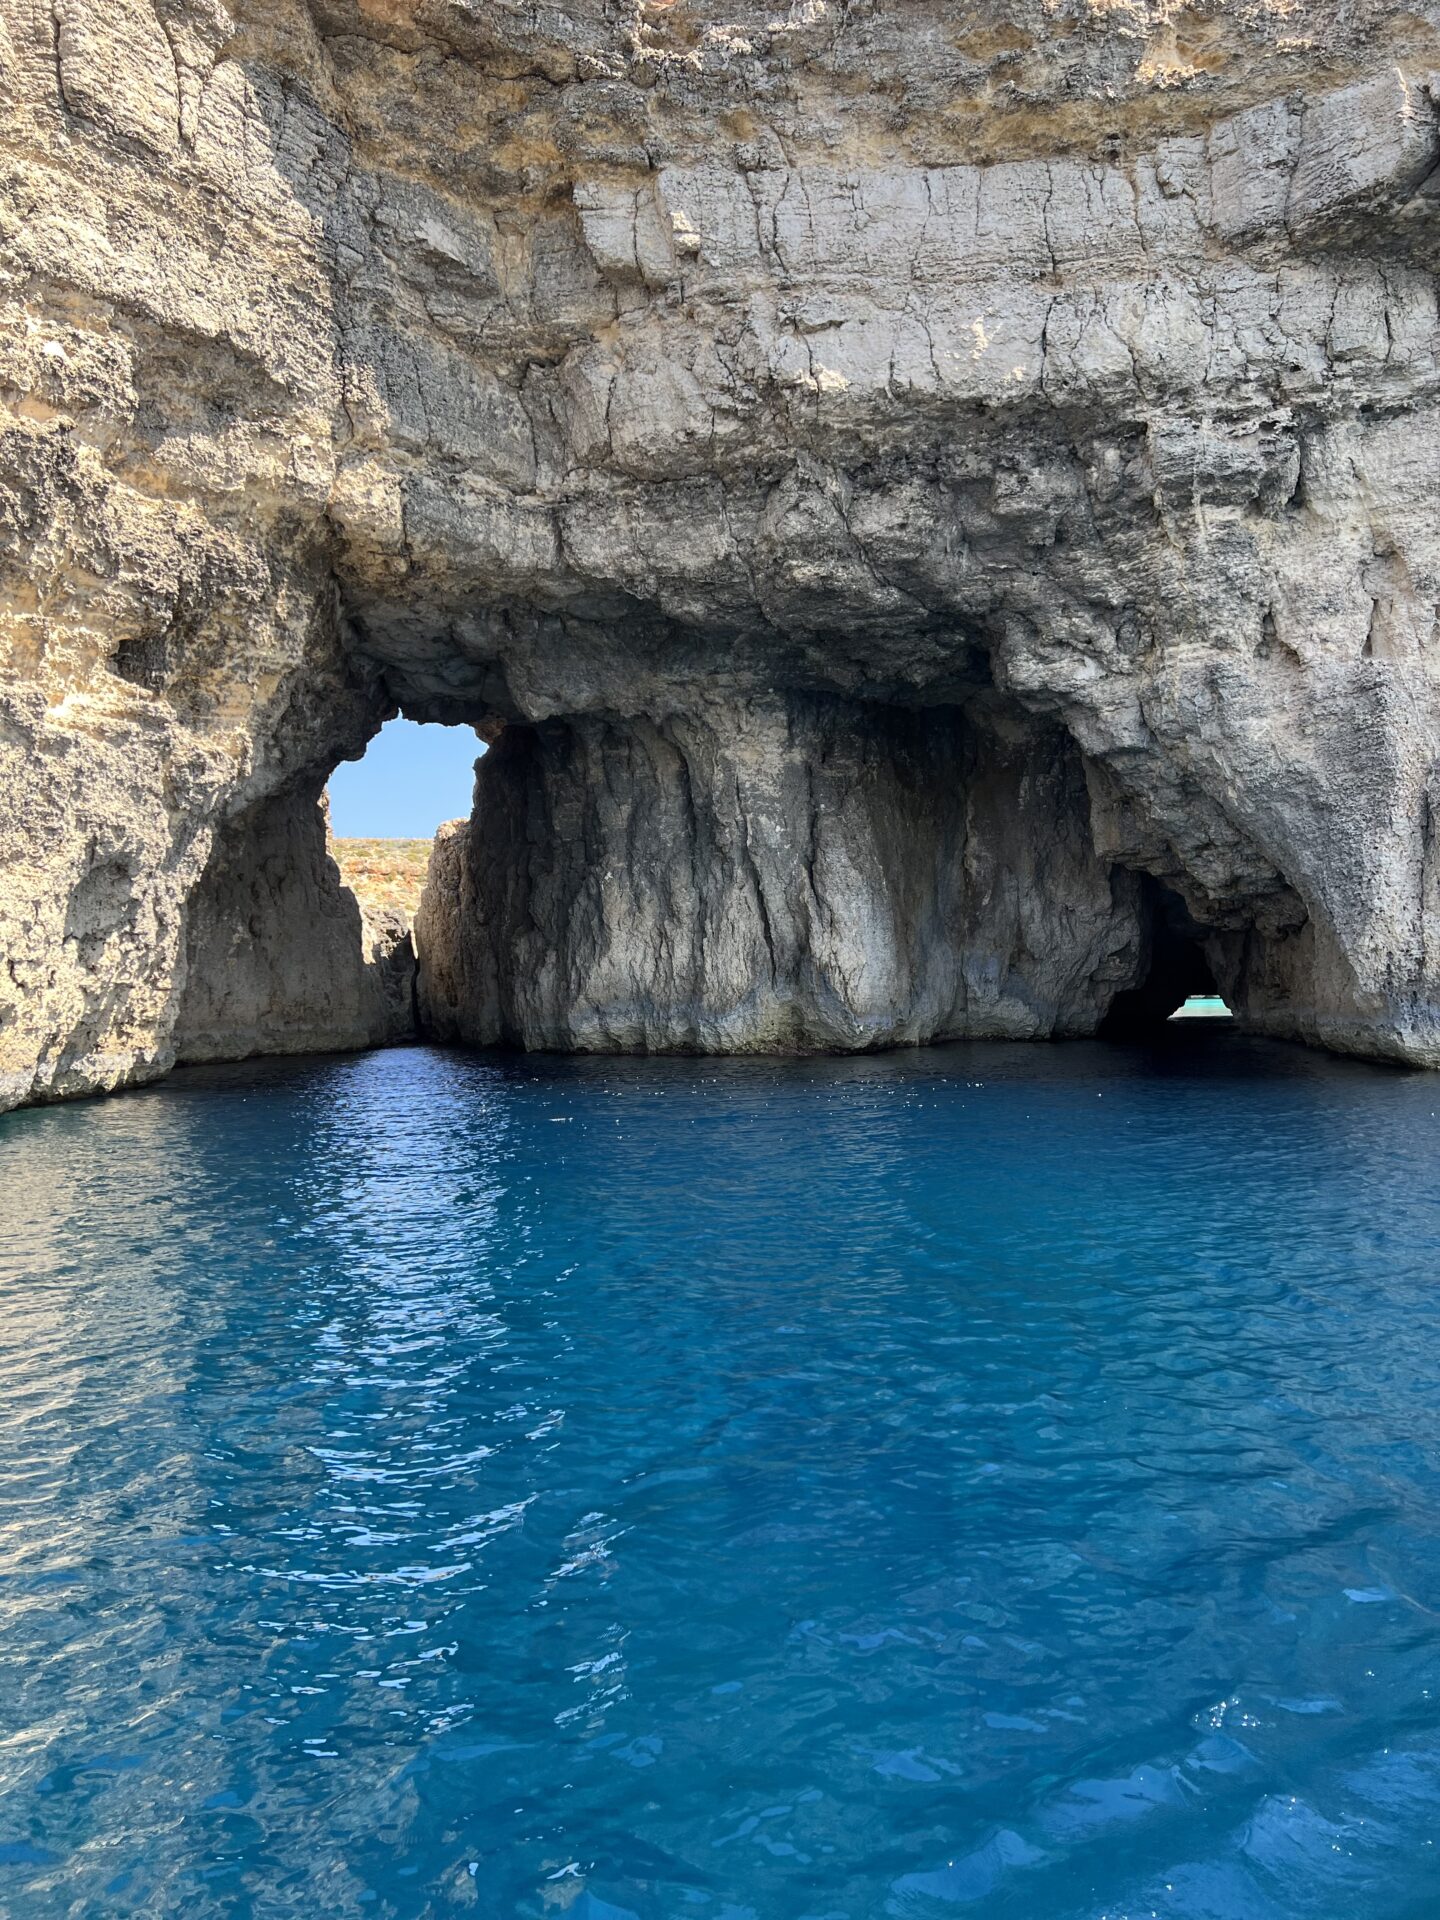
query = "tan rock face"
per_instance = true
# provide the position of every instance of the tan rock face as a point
(941, 503)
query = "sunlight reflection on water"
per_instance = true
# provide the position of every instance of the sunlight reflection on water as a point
(993, 1478)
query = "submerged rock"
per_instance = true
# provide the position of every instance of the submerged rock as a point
(938, 514)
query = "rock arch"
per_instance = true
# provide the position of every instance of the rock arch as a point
(899, 494)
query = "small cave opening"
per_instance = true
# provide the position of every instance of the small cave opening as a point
(300, 933)
(1178, 984)
(386, 807)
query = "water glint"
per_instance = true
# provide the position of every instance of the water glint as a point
(991, 1479)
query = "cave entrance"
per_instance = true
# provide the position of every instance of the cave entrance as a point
(386, 806)
(1178, 983)
(298, 936)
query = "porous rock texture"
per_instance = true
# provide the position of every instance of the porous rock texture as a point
(935, 505)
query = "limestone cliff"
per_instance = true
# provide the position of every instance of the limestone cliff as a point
(936, 505)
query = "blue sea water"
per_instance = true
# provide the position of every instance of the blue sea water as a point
(994, 1480)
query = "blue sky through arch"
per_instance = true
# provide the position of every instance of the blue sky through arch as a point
(411, 778)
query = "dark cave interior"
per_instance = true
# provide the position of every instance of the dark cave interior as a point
(1176, 969)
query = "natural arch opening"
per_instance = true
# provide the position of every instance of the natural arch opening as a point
(785, 874)
(386, 807)
(1176, 970)
(298, 937)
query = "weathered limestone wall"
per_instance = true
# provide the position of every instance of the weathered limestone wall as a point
(768, 877)
(629, 377)
(279, 956)
(170, 633)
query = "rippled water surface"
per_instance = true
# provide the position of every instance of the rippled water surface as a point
(995, 1480)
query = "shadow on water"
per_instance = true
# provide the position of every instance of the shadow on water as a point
(991, 1478)
(1194, 1047)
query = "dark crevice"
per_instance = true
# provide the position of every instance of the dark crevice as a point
(1174, 967)
(144, 659)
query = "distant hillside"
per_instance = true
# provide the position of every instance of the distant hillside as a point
(384, 873)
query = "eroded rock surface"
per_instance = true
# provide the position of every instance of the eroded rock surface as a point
(758, 878)
(1007, 432)
(280, 957)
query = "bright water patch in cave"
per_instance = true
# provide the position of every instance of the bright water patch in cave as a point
(892, 1485)
(1177, 982)
(1202, 1006)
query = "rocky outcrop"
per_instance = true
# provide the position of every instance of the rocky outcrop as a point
(937, 509)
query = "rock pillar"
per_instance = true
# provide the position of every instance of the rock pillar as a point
(279, 958)
(773, 877)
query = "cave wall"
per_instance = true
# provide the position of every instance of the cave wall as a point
(610, 370)
(772, 877)
(279, 957)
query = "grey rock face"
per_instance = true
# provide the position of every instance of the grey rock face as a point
(279, 958)
(934, 504)
(770, 878)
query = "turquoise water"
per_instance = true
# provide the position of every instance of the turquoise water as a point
(996, 1480)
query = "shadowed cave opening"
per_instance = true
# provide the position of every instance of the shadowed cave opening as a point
(1177, 973)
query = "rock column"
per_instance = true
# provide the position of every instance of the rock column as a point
(773, 876)
(279, 957)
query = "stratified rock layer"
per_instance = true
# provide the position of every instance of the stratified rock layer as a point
(909, 489)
